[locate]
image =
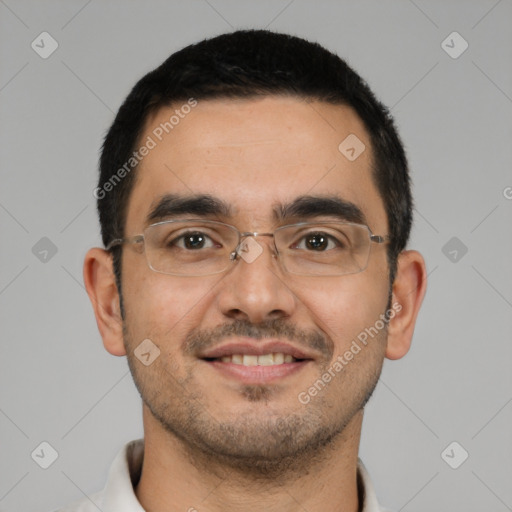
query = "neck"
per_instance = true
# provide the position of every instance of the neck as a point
(177, 477)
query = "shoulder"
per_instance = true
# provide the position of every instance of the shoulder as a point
(366, 491)
(118, 493)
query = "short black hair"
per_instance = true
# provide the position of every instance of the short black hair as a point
(248, 64)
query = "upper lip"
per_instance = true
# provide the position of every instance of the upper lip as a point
(256, 349)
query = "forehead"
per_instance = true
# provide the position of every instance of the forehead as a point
(253, 154)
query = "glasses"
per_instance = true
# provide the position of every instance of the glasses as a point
(205, 247)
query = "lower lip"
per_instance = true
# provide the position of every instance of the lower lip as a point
(258, 374)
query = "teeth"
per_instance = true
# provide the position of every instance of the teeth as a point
(264, 360)
(278, 358)
(250, 360)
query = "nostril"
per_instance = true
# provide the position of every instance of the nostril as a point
(237, 314)
(278, 314)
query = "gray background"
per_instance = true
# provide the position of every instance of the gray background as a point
(57, 383)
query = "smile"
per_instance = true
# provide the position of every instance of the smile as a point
(270, 359)
(257, 362)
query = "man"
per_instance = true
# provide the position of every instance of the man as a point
(255, 204)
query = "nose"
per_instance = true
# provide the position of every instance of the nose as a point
(255, 289)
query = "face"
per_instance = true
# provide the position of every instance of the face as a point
(256, 157)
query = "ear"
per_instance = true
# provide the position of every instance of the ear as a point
(101, 287)
(408, 292)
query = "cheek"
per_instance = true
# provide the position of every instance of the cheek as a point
(344, 307)
(165, 306)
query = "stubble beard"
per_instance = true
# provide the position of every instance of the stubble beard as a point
(275, 446)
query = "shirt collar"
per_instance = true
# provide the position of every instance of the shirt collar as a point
(124, 474)
(126, 469)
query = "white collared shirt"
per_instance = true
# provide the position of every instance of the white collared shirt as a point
(118, 494)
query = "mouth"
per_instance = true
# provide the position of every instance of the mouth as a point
(270, 359)
(257, 364)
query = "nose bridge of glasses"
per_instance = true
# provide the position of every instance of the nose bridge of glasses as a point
(244, 247)
(254, 234)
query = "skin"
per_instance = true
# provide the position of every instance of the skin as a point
(212, 442)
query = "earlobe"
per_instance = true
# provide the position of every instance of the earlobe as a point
(101, 287)
(408, 292)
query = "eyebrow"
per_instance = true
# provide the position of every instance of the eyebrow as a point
(300, 209)
(308, 207)
(171, 205)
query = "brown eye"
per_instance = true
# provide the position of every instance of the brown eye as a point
(194, 241)
(316, 241)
